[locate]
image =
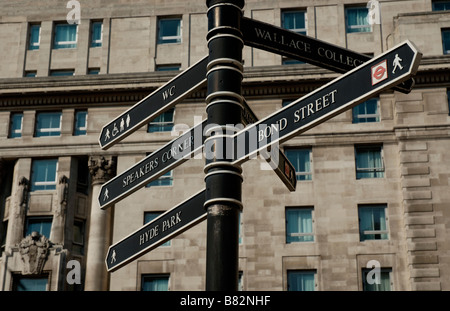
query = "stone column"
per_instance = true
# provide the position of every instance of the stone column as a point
(59, 217)
(102, 169)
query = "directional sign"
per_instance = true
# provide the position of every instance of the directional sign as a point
(176, 152)
(383, 72)
(160, 230)
(153, 105)
(294, 45)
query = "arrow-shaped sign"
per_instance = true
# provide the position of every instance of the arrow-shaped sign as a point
(304, 48)
(380, 73)
(173, 154)
(154, 104)
(157, 232)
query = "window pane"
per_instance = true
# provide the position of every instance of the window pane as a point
(155, 283)
(300, 159)
(65, 36)
(164, 180)
(15, 130)
(48, 124)
(61, 73)
(162, 123)
(366, 112)
(299, 225)
(357, 20)
(43, 175)
(34, 42)
(150, 216)
(372, 223)
(31, 284)
(446, 41)
(441, 5)
(80, 123)
(42, 225)
(96, 34)
(301, 280)
(382, 284)
(169, 30)
(369, 162)
(294, 21)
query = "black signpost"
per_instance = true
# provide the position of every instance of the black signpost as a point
(157, 232)
(220, 202)
(154, 104)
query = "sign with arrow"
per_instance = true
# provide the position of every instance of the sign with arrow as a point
(383, 72)
(155, 104)
(157, 232)
(304, 48)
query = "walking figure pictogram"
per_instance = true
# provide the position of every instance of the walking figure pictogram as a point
(396, 63)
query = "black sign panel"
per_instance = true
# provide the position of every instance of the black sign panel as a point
(160, 230)
(153, 166)
(352, 88)
(155, 104)
(301, 47)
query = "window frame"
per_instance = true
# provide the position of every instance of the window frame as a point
(13, 132)
(59, 45)
(80, 131)
(290, 236)
(376, 170)
(156, 214)
(160, 182)
(445, 3)
(159, 126)
(384, 271)
(48, 220)
(307, 175)
(445, 34)
(291, 272)
(47, 184)
(54, 131)
(95, 43)
(357, 28)
(155, 276)
(32, 46)
(383, 234)
(169, 39)
(356, 119)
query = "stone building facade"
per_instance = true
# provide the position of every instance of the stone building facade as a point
(373, 182)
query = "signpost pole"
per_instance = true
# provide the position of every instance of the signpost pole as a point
(223, 179)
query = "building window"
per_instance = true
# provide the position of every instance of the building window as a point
(294, 21)
(80, 123)
(163, 123)
(301, 159)
(32, 284)
(93, 71)
(372, 222)
(15, 128)
(62, 73)
(366, 112)
(299, 225)
(30, 74)
(150, 216)
(65, 36)
(48, 124)
(155, 282)
(174, 67)
(356, 19)
(34, 37)
(301, 280)
(39, 224)
(446, 41)
(383, 283)
(164, 180)
(169, 30)
(78, 236)
(43, 174)
(369, 162)
(448, 100)
(441, 5)
(96, 34)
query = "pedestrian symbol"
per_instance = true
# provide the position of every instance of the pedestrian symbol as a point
(396, 63)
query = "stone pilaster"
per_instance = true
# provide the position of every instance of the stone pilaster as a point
(102, 169)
